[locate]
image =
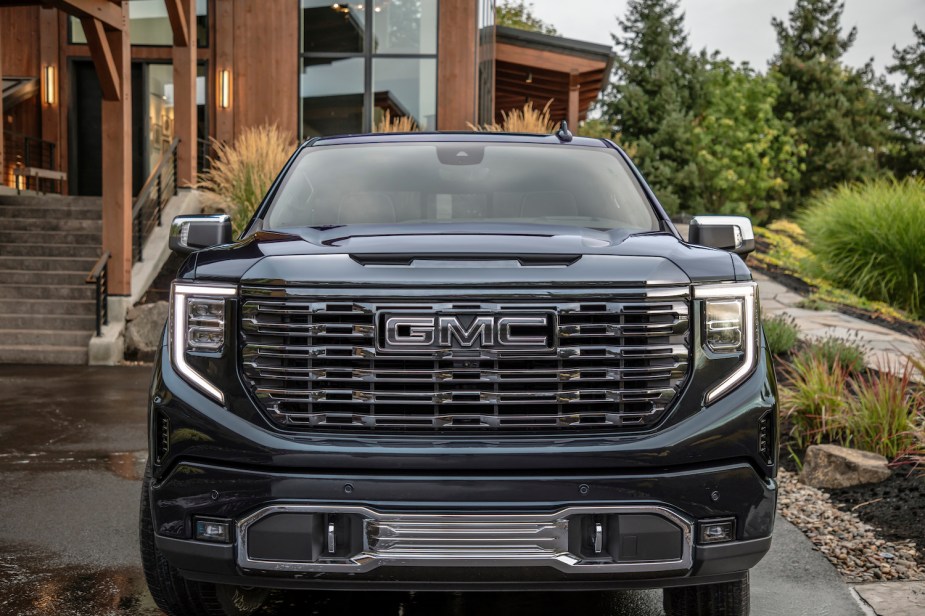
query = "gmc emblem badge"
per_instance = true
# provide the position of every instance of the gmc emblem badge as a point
(533, 331)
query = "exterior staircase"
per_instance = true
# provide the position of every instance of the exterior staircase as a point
(48, 244)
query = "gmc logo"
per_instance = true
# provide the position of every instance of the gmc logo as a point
(527, 332)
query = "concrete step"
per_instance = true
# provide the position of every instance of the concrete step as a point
(83, 322)
(51, 212)
(45, 337)
(38, 291)
(47, 264)
(50, 201)
(45, 278)
(22, 249)
(73, 225)
(94, 238)
(47, 306)
(27, 354)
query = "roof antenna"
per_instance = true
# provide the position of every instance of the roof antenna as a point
(564, 134)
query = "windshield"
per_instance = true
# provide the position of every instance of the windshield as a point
(409, 183)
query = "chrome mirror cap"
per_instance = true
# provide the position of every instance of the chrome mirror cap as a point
(732, 233)
(191, 233)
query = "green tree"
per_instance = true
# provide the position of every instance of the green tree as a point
(907, 149)
(652, 97)
(745, 156)
(833, 108)
(519, 14)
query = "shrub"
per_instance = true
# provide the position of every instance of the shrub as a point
(781, 333)
(526, 120)
(401, 124)
(815, 400)
(882, 418)
(242, 172)
(870, 238)
(834, 351)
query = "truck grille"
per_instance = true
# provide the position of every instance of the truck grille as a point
(316, 361)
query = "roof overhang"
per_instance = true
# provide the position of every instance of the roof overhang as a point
(538, 68)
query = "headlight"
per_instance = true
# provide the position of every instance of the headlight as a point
(197, 325)
(730, 327)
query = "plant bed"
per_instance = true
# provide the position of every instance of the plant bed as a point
(869, 532)
(895, 507)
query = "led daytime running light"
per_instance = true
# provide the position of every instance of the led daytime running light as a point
(748, 293)
(178, 331)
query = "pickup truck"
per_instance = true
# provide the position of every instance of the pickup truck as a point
(460, 361)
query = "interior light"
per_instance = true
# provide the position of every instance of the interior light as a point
(529, 77)
(50, 86)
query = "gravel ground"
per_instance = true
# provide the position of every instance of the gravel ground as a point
(851, 545)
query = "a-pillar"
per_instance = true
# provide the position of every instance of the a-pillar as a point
(112, 56)
(183, 22)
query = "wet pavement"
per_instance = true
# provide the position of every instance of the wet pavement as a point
(72, 443)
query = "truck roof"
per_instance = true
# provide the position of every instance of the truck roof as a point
(458, 137)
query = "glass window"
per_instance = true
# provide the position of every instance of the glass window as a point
(462, 182)
(331, 96)
(406, 88)
(333, 26)
(405, 26)
(364, 58)
(149, 24)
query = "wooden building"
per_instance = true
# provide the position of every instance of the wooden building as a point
(96, 91)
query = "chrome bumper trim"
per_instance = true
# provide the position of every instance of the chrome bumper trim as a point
(466, 540)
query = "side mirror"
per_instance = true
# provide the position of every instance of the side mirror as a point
(732, 233)
(191, 233)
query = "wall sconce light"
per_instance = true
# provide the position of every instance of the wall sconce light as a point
(224, 89)
(529, 77)
(50, 88)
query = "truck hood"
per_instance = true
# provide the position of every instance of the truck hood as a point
(436, 255)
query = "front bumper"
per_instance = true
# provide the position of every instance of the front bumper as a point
(487, 532)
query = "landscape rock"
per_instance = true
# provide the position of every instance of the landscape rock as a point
(143, 329)
(832, 466)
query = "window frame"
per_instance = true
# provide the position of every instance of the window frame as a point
(368, 55)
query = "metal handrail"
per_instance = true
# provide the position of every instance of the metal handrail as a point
(153, 197)
(99, 276)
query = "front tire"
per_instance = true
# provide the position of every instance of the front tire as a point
(177, 596)
(725, 599)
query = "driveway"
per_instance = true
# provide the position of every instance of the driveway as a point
(72, 445)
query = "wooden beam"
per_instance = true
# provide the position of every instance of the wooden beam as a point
(177, 15)
(548, 60)
(457, 71)
(117, 165)
(184, 97)
(102, 56)
(106, 11)
(2, 117)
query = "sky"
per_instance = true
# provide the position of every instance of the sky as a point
(741, 29)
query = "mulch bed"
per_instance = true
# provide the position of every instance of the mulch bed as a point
(896, 507)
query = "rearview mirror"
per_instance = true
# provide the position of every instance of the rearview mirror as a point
(191, 233)
(732, 233)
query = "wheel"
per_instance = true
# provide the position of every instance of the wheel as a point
(177, 596)
(725, 599)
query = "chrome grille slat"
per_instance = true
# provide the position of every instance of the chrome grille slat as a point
(313, 363)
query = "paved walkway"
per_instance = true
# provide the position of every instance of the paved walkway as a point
(886, 349)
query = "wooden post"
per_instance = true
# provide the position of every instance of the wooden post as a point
(224, 61)
(2, 119)
(184, 89)
(117, 158)
(48, 52)
(573, 91)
